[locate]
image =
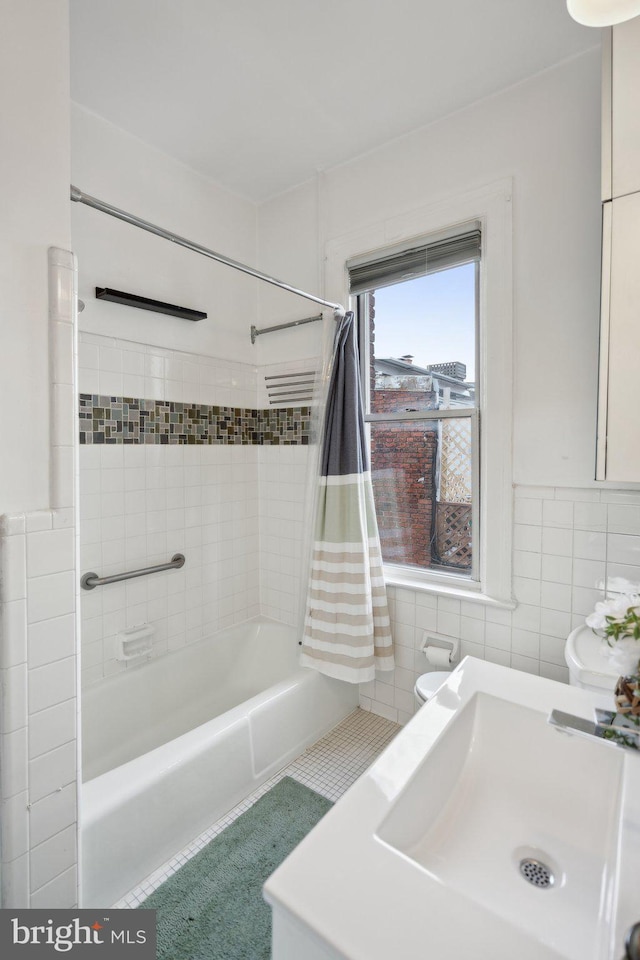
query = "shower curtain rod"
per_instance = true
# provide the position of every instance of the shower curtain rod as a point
(255, 332)
(79, 197)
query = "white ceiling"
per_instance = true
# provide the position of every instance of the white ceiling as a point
(259, 95)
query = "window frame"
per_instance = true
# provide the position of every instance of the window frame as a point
(446, 577)
(491, 207)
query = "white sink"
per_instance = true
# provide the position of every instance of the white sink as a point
(502, 788)
(422, 856)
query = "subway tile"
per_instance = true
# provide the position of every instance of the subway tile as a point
(52, 814)
(623, 518)
(590, 516)
(470, 649)
(553, 672)
(426, 618)
(525, 643)
(584, 599)
(557, 569)
(557, 541)
(578, 494)
(623, 549)
(528, 511)
(15, 882)
(50, 596)
(527, 537)
(52, 728)
(498, 636)
(51, 551)
(556, 596)
(477, 611)
(448, 624)
(522, 491)
(59, 893)
(589, 545)
(404, 612)
(14, 763)
(14, 568)
(552, 649)
(588, 573)
(526, 590)
(14, 700)
(473, 630)
(14, 827)
(53, 857)
(494, 655)
(557, 513)
(13, 633)
(51, 684)
(39, 520)
(625, 571)
(526, 616)
(555, 623)
(526, 664)
(527, 564)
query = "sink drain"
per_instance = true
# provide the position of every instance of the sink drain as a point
(537, 873)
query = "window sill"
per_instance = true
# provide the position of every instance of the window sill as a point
(471, 593)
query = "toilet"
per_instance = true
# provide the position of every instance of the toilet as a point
(428, 683)
(588, 666)
(439, 651)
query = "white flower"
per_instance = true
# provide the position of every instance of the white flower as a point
(624, 655)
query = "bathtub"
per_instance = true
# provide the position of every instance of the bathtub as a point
(171, 745)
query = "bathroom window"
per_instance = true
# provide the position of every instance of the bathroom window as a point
(464, 402)
(418, 317)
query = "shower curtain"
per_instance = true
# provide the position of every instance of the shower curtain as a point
(347, 633)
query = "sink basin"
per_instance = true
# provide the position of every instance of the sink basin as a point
(535, 843)
(481, 830)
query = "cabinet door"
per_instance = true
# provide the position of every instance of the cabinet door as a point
(625, 108)
(619, 414)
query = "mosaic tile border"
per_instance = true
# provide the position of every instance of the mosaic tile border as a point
(105, 419)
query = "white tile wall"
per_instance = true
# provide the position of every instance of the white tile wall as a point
(124, 368)
(567, 542)
(284, 530)
(38, 742)
(38, 758)
(236, 512)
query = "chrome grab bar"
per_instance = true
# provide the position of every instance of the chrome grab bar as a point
(91, 580)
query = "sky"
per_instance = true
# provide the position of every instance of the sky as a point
(432, 317)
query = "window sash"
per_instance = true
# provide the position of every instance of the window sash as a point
(473, 579)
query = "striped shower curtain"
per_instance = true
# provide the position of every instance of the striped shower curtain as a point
(347, 634)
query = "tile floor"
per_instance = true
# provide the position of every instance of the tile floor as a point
(329, 767)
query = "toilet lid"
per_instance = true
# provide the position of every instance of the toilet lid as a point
(585, 654)
(428, 683)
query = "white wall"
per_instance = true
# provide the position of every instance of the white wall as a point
(569, 532)
(127, 173)
(545, 134)
(34, 180)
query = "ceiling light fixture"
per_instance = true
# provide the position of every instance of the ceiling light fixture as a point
(603, 13)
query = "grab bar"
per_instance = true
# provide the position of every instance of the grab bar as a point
(91, 580)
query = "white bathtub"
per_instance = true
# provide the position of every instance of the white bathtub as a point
(173, 744)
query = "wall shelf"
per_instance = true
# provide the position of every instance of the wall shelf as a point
(145, 303)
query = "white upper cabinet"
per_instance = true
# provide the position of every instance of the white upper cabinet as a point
(618, 414)
(621, 111)
(618, 443)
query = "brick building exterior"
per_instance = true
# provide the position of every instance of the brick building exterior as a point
(404, 463)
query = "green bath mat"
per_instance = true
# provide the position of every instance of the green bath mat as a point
(212, 908)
